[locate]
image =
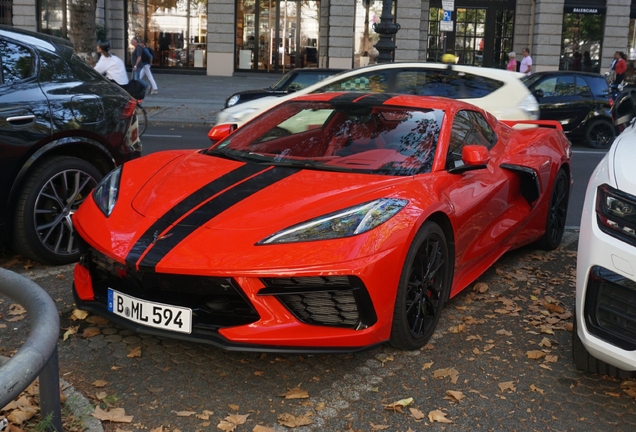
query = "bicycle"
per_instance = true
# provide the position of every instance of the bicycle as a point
(142, 117)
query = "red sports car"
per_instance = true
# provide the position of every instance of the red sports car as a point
(332, 222)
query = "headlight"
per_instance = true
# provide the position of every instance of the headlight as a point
(233, 100)
(107, 191)
(616, 213)
(238, 117)
(531, 107)
(343, 223)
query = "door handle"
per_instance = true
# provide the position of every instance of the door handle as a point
(21, 120)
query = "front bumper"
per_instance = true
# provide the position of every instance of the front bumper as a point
(605, 291)
(321, 314)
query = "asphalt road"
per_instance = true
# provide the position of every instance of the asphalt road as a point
(162, 137)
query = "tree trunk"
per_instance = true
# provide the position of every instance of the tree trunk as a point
(82, 29)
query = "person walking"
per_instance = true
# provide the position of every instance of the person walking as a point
(620, 66)
(110, 65)
(512, 62)
(526, 62)
(146, 61)
(136, 55)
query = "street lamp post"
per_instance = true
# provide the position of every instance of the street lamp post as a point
(386, 29)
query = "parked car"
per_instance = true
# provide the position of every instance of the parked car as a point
(604, 336)
(580, 101)
(62, 127)
(292, 81)
(497, 91)
(333, 222)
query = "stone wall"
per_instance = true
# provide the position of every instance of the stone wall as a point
(424, 23)
(24, 15)
(407, 40)
(616, 31)
(221, 28)
(114, 21)
(340, 40)
(546, 41)
(522, 33)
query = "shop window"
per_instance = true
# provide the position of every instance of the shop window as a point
(5, 12)
(52, 14)
(175, 29)
(367, 13)
(435, 49)
(504, 23)
(581, 42)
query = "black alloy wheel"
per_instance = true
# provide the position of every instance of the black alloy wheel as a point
(52, 194)
(557, 213)
(423, 290)
(600, 134)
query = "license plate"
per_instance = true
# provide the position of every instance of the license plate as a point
(151, 314)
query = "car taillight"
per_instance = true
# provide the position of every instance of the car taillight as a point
(611, 102)
(129, 110)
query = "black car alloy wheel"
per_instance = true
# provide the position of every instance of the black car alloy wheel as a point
(424, 287)
(557, 213)
(600, 134)
(53, 192)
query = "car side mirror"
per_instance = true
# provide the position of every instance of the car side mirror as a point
(219, 132)
(293, 88)
(475, 155)
(538, 93)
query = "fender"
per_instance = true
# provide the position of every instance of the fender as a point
(94, 147)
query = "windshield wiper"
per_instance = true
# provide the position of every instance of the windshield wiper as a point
(226, 155)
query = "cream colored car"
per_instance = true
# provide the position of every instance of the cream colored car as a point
(498, 91)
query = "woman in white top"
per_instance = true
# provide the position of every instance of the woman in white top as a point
(110, 65)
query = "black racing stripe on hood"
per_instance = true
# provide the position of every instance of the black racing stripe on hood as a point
(377, 98)
(187, 204)
(347, 98)
(210, 210)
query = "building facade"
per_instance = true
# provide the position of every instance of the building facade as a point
(225, 37)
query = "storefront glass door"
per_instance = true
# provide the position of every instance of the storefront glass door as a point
(275, 35)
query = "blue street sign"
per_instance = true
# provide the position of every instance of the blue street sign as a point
(447, 15)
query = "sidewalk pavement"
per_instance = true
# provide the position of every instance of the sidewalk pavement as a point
(196, 99)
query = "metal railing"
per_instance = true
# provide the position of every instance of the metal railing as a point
(38, 355)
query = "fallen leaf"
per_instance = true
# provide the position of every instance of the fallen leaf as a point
(101, 395)
(233, 407)
(134, 352)
(90, 332)
(535, 389)
(117, 415)
(184, 413)
(426, 366)
(547, 330)
(398, 405)
(97, 320)
(508, 385)
(457, 329)
(545, 342)
(553, 307)
(480, 287)
(100, 383)
(504, 332)
(232, 421)
(259, 428)
(417, 414)
(447, 372)
(296, 393)
(551, 358)
(292, 421)
(438, 416)
(455, 396)
(535, 354)
(473, 337)
(16, 309)
(19, 416)
(258, 373)
(69, 332)
(378, 426)
(78, 315)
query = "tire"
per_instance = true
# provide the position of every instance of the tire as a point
(586, 362)
(600, 134)
(423, 289)
(142, 118)
(557, 213)
(43, 230)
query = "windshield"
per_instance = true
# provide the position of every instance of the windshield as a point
(529, 80)
(360, 137)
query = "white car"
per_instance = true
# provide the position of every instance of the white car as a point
(604, 336)
(498, 91)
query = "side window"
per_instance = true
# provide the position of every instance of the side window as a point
(17, 62)
(461, 129)
(374, 82)
(479, 86)
(581, 86)
(484, 135)
(557, 86)
(428, 82)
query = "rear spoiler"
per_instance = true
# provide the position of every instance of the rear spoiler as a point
(544, 123)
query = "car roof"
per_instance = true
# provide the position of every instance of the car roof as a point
(40, 40)
(587, 74)
(317, 70)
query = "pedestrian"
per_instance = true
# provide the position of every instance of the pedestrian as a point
(146, 61)
(512, 62)
(587, 62)
(110, 65)
(137, 52)
(526, 62)
(620, 66)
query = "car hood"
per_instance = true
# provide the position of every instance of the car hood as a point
(624, 157)
(220, 194)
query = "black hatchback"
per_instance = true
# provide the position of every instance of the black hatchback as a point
(580, 101)
(63, 126)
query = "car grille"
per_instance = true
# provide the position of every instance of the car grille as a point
(216, 302)
(610, 308)
(337, 301)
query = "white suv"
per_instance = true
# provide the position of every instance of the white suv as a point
(498, 91)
